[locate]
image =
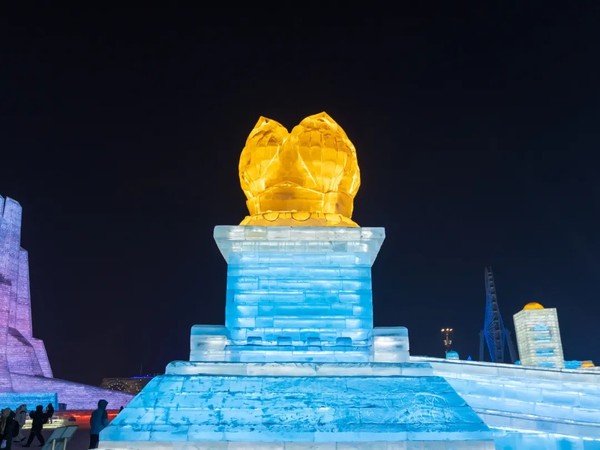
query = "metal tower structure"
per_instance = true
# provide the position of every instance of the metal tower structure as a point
(494, 334)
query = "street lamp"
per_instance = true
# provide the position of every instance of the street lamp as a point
(447, 332)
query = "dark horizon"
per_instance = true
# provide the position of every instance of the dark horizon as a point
(475, 129)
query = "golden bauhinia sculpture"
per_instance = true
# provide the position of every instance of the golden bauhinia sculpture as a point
(308, 177)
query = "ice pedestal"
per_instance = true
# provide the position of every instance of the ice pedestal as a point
(298, 294)
(298, 363)
(211, 343)
(299, 289)
(197, 404)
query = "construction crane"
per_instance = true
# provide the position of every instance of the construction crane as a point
(494, 334)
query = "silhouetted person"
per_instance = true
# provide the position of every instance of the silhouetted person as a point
(21, 418)
(98, 422)
(38, 419)
(50, 412)
(8, 428)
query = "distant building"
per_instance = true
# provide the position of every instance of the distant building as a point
(538, 336)
(131, 385)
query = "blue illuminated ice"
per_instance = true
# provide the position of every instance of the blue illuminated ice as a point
(298, 365)
(290, 288)
(292, 408)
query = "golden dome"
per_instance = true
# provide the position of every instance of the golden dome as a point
(533, 305)
(308, 177)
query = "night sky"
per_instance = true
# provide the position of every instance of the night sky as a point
(477, 135)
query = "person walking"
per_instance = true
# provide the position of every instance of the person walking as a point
(21, 418)
(38, 418)
(3, 418)
(49, 412)
(98, 422)
(8, 428)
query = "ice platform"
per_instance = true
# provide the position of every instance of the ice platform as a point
(298, 405)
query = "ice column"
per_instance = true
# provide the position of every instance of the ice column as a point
(299, 293)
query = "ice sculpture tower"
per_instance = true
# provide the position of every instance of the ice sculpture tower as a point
(538, 336)
(298, 363)
(25, 373)
(20, 352)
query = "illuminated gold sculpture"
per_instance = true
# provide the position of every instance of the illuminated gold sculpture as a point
(308, 177)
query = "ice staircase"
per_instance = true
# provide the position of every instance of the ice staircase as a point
(551, 405)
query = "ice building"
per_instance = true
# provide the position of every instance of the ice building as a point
(298, 363)
(25, 372)
(538, 336)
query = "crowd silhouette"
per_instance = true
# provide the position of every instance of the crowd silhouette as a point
(12, 423)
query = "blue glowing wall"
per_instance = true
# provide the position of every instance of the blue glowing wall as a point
(300, 293)
(192, 410)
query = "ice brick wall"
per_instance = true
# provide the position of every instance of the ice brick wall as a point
(30, 399)
(20, 352)
(179, 408)
(74, 395)
(305, 287)
(528, 399)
